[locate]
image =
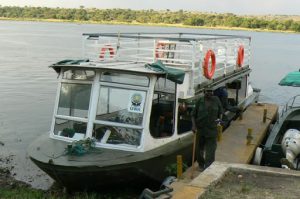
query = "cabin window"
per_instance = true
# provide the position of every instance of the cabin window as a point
(121, 105)
(129, 79)
(74, 100)
(79, 74)
(70, 129)
(162, 112)
(184, 120)
(117, 135)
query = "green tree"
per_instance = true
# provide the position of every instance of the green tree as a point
(194, 21)
(149, 16)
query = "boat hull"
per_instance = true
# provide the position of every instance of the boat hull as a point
(93, 178)
(110, 167)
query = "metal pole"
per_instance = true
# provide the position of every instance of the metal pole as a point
(193, 159)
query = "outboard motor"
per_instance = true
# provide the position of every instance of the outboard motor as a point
(291, 147)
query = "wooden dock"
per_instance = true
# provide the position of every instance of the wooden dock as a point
(232, 148)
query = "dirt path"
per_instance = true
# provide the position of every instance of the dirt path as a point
(255, 185)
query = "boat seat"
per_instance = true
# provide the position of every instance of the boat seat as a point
(184, 125)
(99, 133)
(231, 102)
(80, 127)
(78, 136)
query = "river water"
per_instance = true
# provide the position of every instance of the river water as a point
(28, 86)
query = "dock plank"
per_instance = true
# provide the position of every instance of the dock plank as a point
(188, 192)
(233, 147)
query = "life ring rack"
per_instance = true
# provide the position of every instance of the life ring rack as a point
(210, 55)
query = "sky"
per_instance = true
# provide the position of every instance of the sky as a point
(241, 7)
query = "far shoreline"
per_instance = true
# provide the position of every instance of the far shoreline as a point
(145, 24)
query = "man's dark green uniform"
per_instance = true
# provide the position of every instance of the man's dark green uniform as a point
(207, 110)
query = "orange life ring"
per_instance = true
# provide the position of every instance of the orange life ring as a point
(240, 57)
(104, 49)
(209, 73)
(159, 46)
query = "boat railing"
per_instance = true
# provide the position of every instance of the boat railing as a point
(180, 50)
(294, 102)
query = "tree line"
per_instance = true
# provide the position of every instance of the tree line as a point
(149, 16)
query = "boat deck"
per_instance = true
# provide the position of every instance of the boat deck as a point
(232, 148)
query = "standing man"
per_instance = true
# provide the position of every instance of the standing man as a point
(207, 111)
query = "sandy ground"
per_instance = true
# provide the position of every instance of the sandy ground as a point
(255, 185)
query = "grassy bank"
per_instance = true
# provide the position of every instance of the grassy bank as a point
(13, 189)
(144, 24)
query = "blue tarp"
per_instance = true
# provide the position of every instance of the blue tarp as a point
(291, 79)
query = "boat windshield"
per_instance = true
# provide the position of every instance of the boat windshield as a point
(73, 105)
(294, 102)
(120, 109)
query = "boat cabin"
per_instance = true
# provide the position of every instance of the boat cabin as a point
(135, 91)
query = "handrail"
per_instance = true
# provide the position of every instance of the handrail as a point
(185, 51)
(291, 103)
(178, 48)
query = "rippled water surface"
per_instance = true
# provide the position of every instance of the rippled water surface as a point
(28, 86)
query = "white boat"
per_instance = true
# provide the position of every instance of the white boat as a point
(124, 112)
(282, 146)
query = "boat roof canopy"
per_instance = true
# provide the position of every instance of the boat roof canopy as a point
(175, 75)
(87, 65)
(177, 36)
(291, 79)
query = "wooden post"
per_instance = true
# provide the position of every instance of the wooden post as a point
(265, 115)
(249, 136)
(179, 166)
(241, 114)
